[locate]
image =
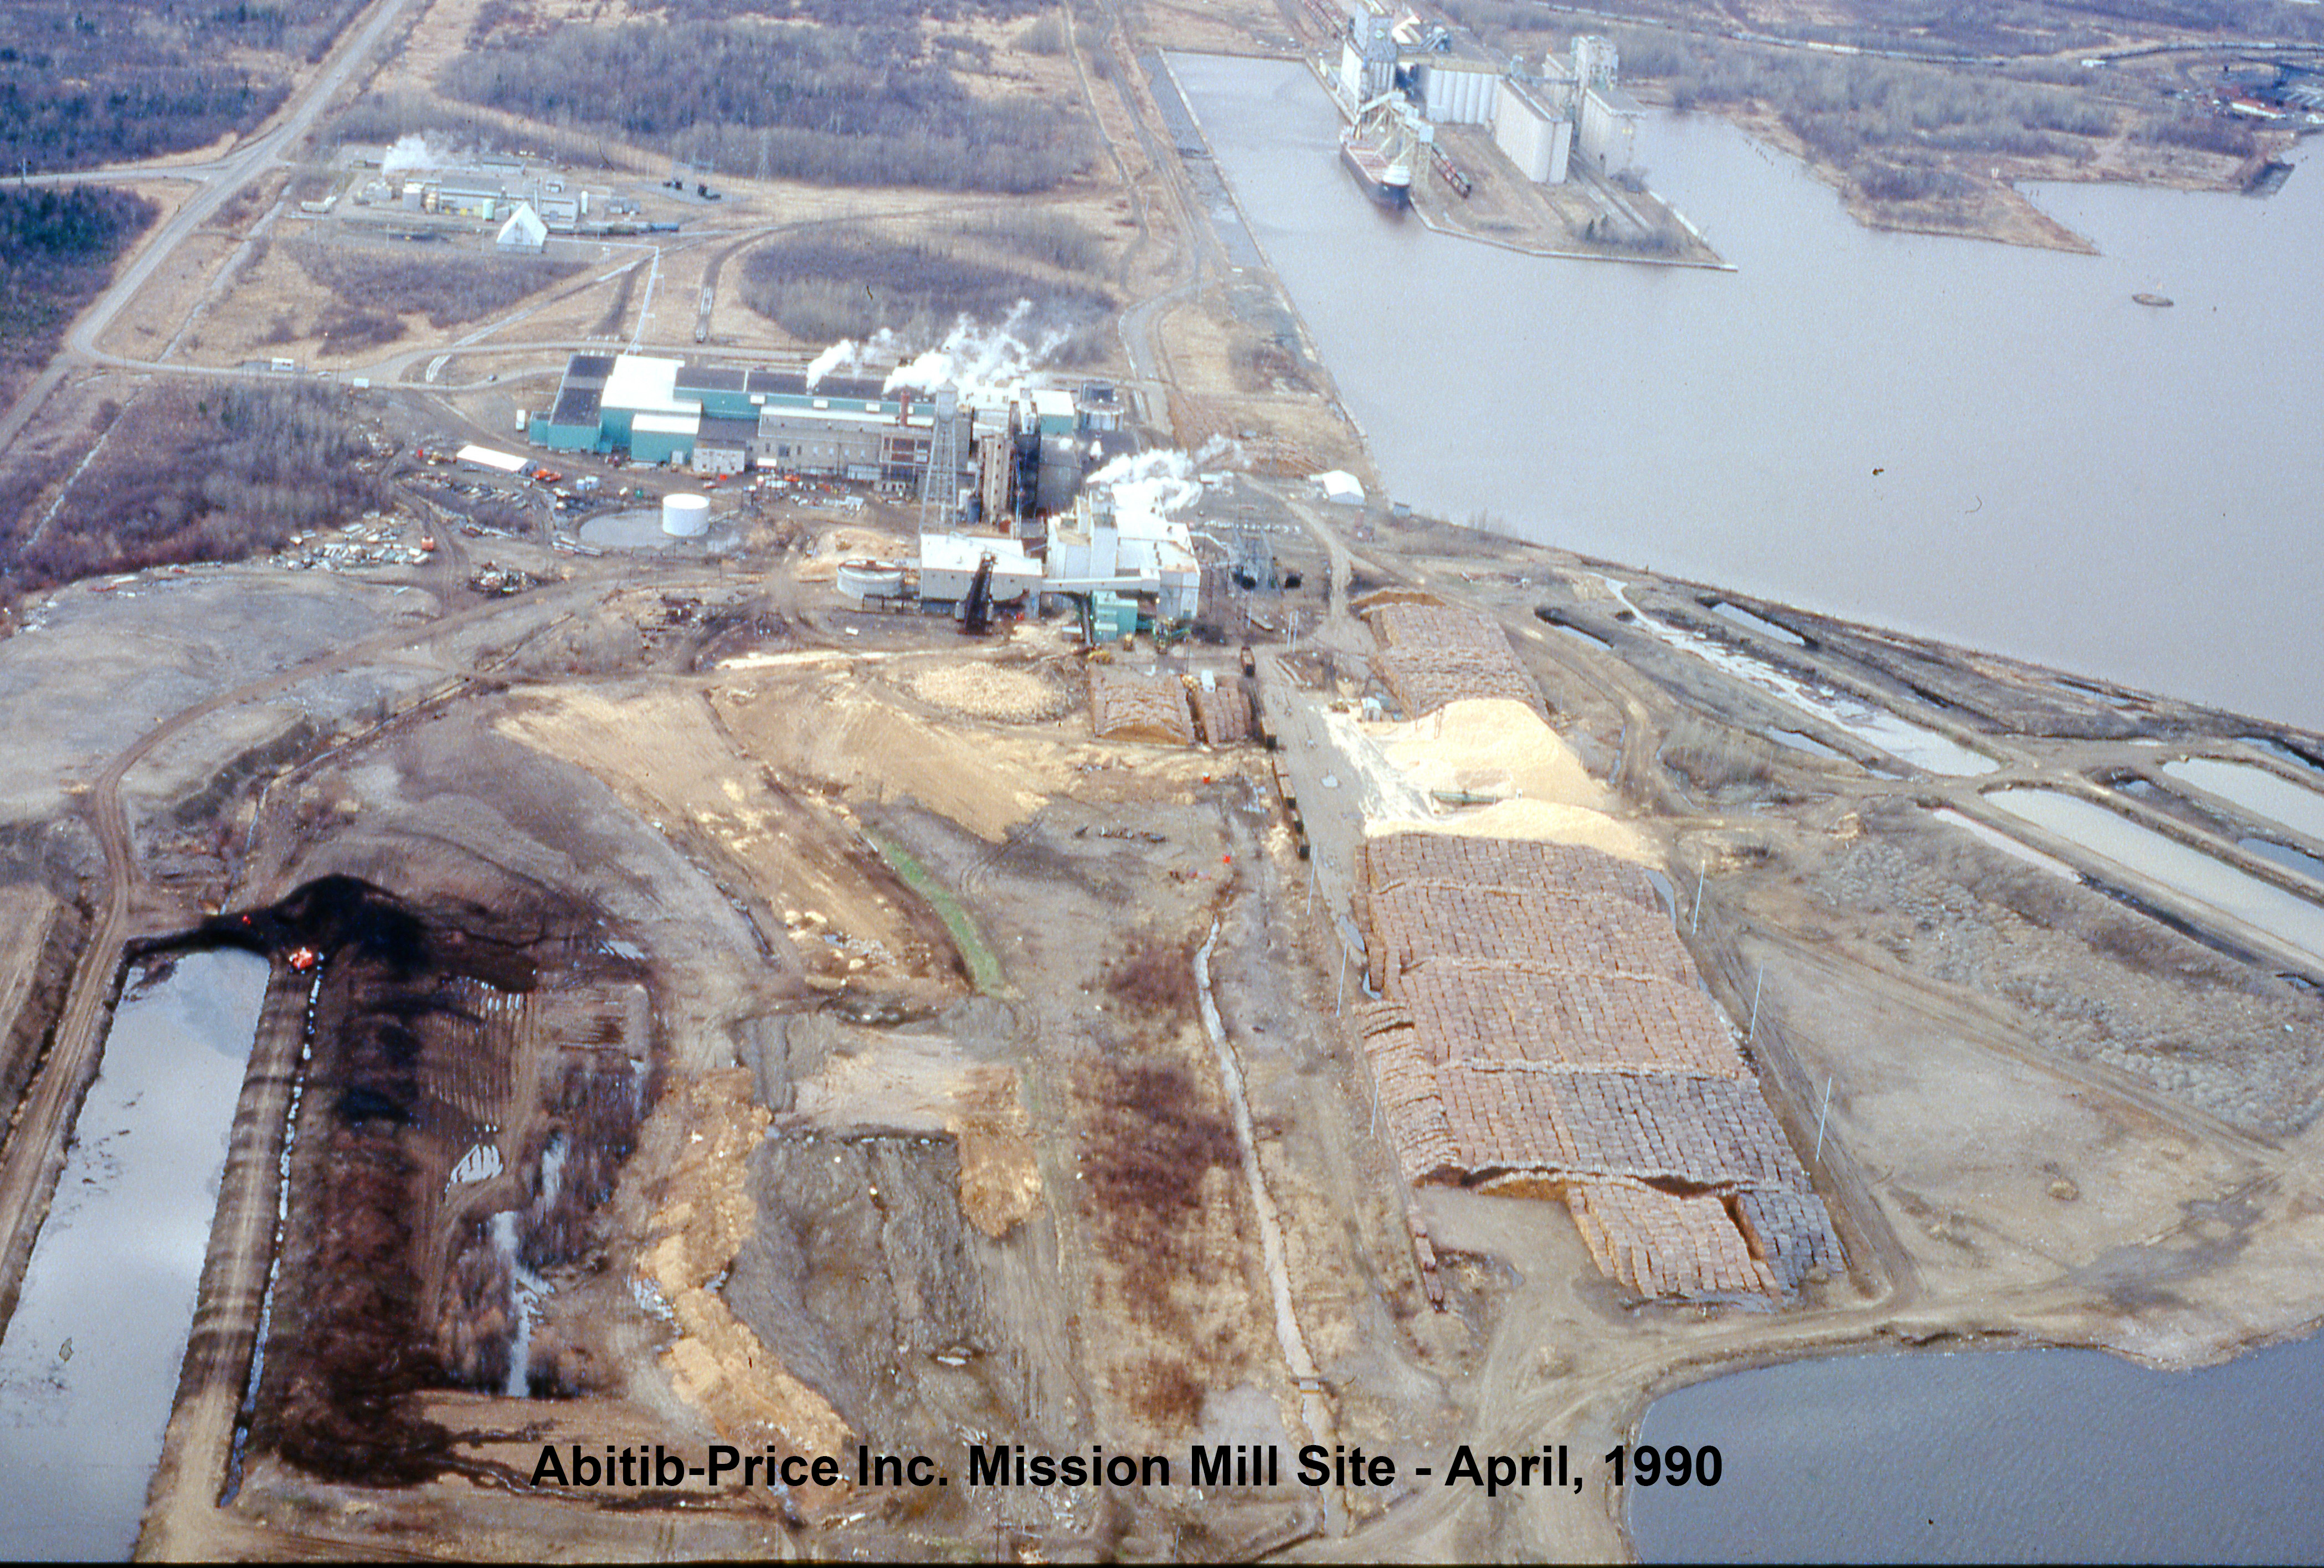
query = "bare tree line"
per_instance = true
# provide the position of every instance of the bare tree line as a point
(835, 104)
(57, 249)
(84, 82)
(849, 281)
(373, 289)
(2004, 28)
(195, 472)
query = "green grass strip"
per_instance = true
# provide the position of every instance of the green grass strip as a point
(983, 966)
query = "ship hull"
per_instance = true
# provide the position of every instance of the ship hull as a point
(1371, 172)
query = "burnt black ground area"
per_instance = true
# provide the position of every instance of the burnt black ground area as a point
(395, 1276)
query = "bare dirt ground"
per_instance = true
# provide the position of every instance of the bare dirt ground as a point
(1575, 218)
(939, 1149)
(861, 1051)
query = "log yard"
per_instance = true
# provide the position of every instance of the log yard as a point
(729, 839)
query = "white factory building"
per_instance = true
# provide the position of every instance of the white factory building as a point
(1126, 549)
(1115, 548)
(1574, 104)
(949, 562)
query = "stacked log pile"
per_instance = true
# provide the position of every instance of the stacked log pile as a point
(1225, 714)
(1543, 1029)
(1433, 654)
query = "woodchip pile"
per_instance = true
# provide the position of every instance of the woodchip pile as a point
(1433, 654)
(1541, 1028)
(1126, 705)
(989, 691)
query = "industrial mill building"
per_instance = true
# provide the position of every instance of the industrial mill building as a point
(721, 421)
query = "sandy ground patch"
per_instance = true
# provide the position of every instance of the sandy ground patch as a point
(850, 544)
(663, 751)
(847, 737)
(154, 314)
(704, 1214)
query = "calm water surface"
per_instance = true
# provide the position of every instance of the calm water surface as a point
(2061, 473)
(2026, 1456)
(90, 1365)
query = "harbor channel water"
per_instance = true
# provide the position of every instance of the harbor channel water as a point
(2023, 1456)
(90, 1365)
(1983, 443)
(1988, 444)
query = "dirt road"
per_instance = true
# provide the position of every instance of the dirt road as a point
(36, 1149)
(226, 178)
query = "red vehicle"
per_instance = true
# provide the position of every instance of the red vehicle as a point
(303, 959)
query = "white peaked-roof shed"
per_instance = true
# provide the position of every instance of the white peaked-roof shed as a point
(524, 231)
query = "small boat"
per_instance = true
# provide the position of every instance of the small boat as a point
(2161, 301)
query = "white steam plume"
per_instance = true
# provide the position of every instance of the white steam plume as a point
(412, 150)
(981, 360)
(849, 355)
(1157, 483)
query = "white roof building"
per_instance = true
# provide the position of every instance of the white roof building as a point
(948, 564)
(1135, 548)
(524, 232)
(646, 384)
(485, 458)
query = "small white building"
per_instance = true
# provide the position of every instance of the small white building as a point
(524, 233)
(491, 461)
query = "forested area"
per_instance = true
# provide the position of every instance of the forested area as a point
(194, 472)
(835, 105)
(2006, 28)
(850, 281)
(57, 249)
(86, 82)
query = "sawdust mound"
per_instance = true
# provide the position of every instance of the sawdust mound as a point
(1494, 746)
(843, 734)
(989, 691)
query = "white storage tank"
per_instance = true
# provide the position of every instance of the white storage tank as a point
(861, 581)
(686, 516)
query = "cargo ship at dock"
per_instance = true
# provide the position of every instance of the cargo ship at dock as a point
(1381, 162)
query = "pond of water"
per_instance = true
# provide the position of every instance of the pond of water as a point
(90, 1365)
